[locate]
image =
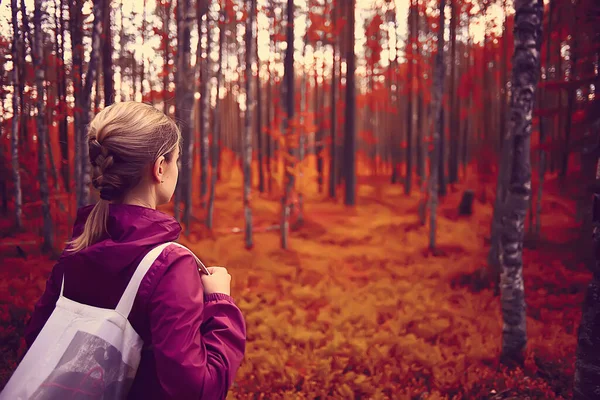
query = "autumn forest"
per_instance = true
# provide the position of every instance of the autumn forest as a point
(405, 192)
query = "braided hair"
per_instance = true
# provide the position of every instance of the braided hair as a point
(124, 138)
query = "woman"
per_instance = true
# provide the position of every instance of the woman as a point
(194, 335)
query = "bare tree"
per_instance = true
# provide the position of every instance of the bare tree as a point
(525, 72)
(61, 97)
(333, 98)
(76, 30)
(184, 104)
(14, 137)
(438, 92)
(214, 156)
(107, 64)
(247, 137)
(289, 101)
(259, 133)
(350, 124)
(87, 112)
(410, 60)
(205, 68)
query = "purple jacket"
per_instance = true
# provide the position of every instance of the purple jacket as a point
(193, 343)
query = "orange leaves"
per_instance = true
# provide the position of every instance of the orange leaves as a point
(357, 309)
(230, 13)
(374, 40)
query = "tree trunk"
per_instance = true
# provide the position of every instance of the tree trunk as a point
(442, 155)
(504, 91)
(214, 157)
(167, 53)
(142, 64)
(49, 119)
(14, 137)
(288, 131)
(184, 105)
(247, 139)
(86, 112)
(420, 133)
(205, 118)
(454, 117)
(269, 129)
(342, 128)
(350, 118)
(259, 133)
(107, 64)
(410, 59)
(25, 107)
(438, 87)
(525, 71)
(62, 101)
(97, 90)
(42, 131)
(319, 134)
(333, 115)
(587, 364)
(76, 28)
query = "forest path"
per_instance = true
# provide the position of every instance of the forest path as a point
(358, 307)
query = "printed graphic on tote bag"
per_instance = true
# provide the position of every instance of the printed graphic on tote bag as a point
(89, 369)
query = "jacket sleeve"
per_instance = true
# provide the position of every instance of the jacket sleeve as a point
(45, 305)
(198, 341)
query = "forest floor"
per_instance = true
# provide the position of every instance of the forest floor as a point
(359, 308)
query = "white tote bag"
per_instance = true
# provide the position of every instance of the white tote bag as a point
(84, 352)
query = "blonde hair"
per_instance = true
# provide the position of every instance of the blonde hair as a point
(123, 138)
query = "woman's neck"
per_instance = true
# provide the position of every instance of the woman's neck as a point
(135, 199)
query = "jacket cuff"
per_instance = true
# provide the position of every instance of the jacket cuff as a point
(217, 296)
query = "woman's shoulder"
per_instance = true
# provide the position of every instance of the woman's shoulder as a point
(174, 259)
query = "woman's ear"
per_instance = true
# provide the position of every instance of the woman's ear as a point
(158, 170)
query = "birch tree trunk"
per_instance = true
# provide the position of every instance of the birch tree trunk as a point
(247, 138)
(525, 72)
(259, 133)
(62, 97)
(107, 64)
(42, 131)
(14, 137)
(350, 119)
(167, 53)
(25, 107)
(214, 156)
(438, 92)
(86, 112)
(205, 99)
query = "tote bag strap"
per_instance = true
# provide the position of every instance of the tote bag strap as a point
(201, 265)
(126, 302)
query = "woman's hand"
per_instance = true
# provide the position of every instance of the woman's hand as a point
(219, 281)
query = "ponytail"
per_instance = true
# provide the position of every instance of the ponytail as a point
(94, 229)
(123, 139)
